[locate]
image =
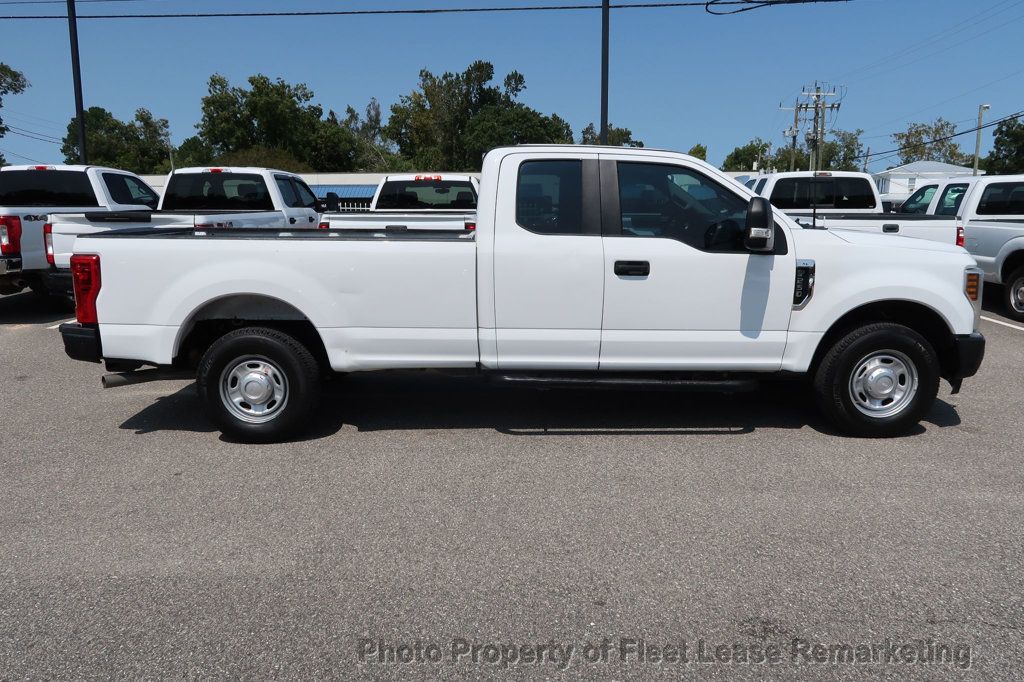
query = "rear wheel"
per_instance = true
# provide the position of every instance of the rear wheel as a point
(878, 381)
(1013, 292)
(258, 384)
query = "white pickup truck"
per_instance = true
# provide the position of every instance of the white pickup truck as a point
(414, 202)
(28, 194)
(839, 200)
(200, 198)
(628, 267)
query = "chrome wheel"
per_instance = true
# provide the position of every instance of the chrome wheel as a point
(883, 384)
(254, 389)
(1017, 295)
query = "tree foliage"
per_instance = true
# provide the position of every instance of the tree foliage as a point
(617, 137)
(1007, 155)
(11, 83)
(450, 120)
(745, 157)
(140, 145)
(924, 142)
(844, 152)
(699, 151)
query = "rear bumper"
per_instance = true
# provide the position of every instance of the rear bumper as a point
(81, 342)
(968, 352)
(10, 265)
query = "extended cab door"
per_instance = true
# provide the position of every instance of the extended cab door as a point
(548, 262)
(681, 291)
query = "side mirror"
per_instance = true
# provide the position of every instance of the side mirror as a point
(759, 234)
(332, 202)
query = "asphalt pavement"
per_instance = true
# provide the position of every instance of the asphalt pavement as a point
(509, 532)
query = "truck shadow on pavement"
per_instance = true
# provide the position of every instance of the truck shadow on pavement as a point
(425, 401)
(30, 308)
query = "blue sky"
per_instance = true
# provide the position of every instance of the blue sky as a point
(678, 76)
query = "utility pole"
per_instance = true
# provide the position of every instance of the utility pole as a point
(792, 133)
(867, 159)
(820, 107)
(605, 11)
(977, 144)
(76, 68)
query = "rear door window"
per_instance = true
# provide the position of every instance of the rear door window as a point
(217, 192)
(919, 201)
(760, 185)
(951, 198)
(1002, 198)
(46, 188)
(124, 189)
(306, 197)
(284, 183)
(549, 197)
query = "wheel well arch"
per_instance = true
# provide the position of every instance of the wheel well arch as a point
(917, 316)
(219, 316)
(1012, 262)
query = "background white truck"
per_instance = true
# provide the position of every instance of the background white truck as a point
(415, 202)
(28, 194)
(838, 200)
(623, 267)
(201, 198)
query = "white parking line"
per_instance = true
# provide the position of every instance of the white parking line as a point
(1005, 324)
(60, 323)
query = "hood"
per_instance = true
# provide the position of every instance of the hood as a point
(894, 241)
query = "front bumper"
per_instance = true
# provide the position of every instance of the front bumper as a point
(968, 352)
(81, 342)
(10, 265)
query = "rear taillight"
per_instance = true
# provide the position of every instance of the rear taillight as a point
(325, 226)
(960, 233)
(85, 274)
(48, 242)
(10, 235)
(470, 225)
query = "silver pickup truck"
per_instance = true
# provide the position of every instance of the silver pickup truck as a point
(990, 214)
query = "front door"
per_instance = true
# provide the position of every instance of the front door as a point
(681, 291)
(548, 263)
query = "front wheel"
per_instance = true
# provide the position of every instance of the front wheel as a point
(258, 384)
(1013, 292)
(878, 381)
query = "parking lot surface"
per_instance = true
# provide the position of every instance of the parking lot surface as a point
(138, 542)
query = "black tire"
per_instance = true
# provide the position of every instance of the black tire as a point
(1013, 295)
(276, 360)
(890, 347)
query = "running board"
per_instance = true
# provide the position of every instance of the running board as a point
(627, 382)
(143, 376)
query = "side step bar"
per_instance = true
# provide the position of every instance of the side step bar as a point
(657, 382)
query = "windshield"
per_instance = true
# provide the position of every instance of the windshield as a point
(457, 195)
(919, 200)
(217, 192)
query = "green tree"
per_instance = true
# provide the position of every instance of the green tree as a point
(373, 151)
(274, 115)
(139, 145)
(433, 126)
(263, 157)
(11, 83)
(745, 157)
(699, 151)
(1007, 155)
(924, 142)
(783, 159)
(193, 152)
(617, 137)
(844, 152)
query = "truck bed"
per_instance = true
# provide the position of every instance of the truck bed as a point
(389, 299)
(934, 228)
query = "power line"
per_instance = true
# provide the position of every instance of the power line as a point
(31, 132)
(936, 140)
(706, 4)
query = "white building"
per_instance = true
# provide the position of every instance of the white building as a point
(900, 182)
